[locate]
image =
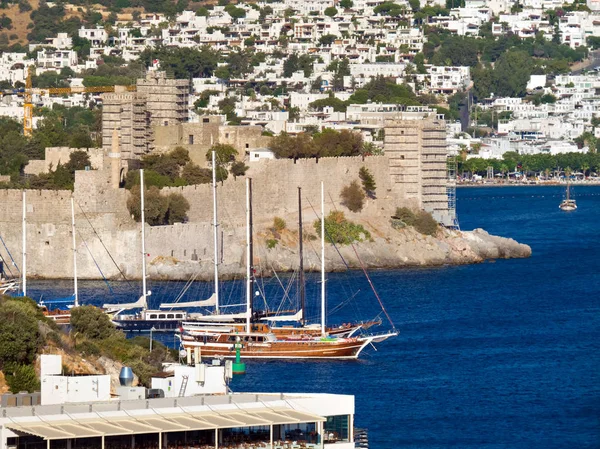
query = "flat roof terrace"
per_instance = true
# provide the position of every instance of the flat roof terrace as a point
(227, 421)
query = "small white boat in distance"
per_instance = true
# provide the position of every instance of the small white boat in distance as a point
(568, 204)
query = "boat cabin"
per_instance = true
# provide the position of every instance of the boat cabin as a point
(161, 315)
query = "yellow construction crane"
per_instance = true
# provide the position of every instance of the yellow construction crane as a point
(29, 91)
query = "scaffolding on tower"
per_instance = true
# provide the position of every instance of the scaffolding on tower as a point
(451, 191)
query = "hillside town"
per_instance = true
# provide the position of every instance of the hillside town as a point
(507, 76)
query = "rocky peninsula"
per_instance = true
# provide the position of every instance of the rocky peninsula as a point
(387, 248)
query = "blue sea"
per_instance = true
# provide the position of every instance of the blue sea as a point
(502, 354)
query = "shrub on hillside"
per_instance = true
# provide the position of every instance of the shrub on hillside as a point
(278, 224)
(21, 378)
(91, 322)
(20, 337)
(353, 197)
(425, 223)
(422, 221)
(339, 230)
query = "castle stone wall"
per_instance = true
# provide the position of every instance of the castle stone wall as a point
(106, 216)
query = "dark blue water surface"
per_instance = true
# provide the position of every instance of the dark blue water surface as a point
(494, 355)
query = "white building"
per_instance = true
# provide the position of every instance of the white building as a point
(97, 36)
(55, 59)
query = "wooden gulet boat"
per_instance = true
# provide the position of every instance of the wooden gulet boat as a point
(259, 340)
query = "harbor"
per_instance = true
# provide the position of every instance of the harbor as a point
(482, 357)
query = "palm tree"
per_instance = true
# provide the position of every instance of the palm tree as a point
(584, 168)
(568, 173)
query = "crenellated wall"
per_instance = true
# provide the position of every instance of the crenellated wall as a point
(102, 218)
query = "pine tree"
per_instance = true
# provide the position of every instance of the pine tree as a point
(368, 181)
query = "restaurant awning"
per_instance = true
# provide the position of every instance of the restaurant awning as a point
(156, 422)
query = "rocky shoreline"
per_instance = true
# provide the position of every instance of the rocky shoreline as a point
(405, 248)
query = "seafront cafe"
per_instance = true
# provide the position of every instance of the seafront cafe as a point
(244, 421)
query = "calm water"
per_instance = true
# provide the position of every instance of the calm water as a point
(496, 355)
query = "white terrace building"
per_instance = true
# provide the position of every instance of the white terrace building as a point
(97, 36)
(55, 59)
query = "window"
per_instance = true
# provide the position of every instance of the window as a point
(337, 428)
(247, 145)
(166, 123)
(205, 120)
(161, 316)
(170, 316)
(179, 315)
(227, 135)
(153, 316)
(191, 139)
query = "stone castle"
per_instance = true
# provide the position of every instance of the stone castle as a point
(411, 173)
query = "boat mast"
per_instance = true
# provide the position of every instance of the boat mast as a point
(215, 233)
(24, 271)
(74, 253)
(322, 259)
(301, 266)
(249, 254)
(144, 292)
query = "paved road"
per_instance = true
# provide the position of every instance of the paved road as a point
(594, 61)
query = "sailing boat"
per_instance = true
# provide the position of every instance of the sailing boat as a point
(267, 321)
(146, 320)
(568, 204)
(259, 341)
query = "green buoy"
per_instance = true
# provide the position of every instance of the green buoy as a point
(238, 367)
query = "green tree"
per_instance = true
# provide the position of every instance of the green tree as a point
(331, 143)
(193, 174)
(184, 62)
(177, 208)
(331, 11)
(238, 168)
(224, 153)
(346, 4)
(293, 147)
(20, 338)
(457, 51)
(327, 39)
(21, 378)
(368, 181)
(511, 73)
(91, 322)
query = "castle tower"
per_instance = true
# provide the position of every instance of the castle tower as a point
(159, 101)
(415, 144)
